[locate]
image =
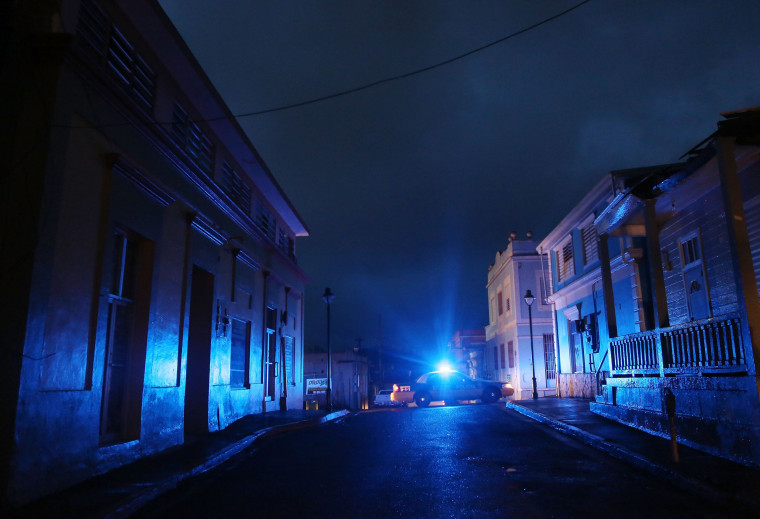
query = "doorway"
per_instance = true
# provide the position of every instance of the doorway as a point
(198, 352)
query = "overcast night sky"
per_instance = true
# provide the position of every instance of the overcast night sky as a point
(410, 188)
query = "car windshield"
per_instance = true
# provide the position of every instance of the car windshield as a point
(441, 377)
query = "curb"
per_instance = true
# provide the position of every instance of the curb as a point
(638, 460)
(172, 482)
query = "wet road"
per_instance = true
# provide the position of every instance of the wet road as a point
(470, 461)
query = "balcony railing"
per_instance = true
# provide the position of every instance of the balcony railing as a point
(706, 346)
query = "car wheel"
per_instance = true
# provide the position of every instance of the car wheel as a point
(490, 395)
(422, 399)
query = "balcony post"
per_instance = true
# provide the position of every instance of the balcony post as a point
(661, 318)
(609, 297)
(741, 256)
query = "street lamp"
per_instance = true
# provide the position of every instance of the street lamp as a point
(327, 297)
(529, 298)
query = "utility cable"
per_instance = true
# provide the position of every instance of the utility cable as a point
(412, 73)
(379, 81)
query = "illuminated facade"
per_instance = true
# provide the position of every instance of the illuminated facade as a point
(654, 276)
(467, 350)
(697, 361)
(149, 269)
(508, 342)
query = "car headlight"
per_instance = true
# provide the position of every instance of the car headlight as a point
(507, 386)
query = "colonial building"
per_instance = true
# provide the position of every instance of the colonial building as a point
(573, 257)
(467, 350)
(150, 284)
(696, 361)
(511, 353)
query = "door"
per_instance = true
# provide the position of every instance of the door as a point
(199, 352)
(697, 298)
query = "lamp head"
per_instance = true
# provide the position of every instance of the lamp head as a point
(529, 298)
(328, 296)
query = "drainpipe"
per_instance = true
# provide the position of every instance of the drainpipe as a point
(555, 328)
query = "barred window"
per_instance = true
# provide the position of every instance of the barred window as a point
(549, 359)
(191, 139)
(265, 220)
(236, 188)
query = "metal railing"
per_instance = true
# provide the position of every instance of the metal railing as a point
(709, 345)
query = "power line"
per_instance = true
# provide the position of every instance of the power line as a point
(414, 72)
(374, 83)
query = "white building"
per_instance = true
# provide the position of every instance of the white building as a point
(151, 291)
(508, 355)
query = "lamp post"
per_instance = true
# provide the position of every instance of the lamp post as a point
(327, 297)
(529, 298)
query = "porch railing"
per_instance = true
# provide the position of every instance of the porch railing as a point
(709, 346)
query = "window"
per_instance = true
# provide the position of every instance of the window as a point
(131, 69)
(549, 361)
(128, 306)
(501, 304)
(239, 353)
(589, 239)
(236, 188)
(496, 358)
(106, 41)
(191, 139)
(503, 355)
(690, 251)
(286, 244)
(289, 349)
(270, 352)
(265, 220)
(565, 266)
(511, 354)
(575, 341)
(492, 310)
(93, 27)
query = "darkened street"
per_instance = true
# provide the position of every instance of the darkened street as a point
(463, 461)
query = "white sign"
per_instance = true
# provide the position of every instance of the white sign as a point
(316, 385)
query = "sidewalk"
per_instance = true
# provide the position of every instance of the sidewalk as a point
(717, 479)
(122, 491)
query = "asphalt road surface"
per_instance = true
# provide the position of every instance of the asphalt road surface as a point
(468, 461)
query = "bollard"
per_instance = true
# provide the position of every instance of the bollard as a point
(670, 408)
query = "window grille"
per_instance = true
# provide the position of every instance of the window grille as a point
(191, 139)
(511, 353)
(236, 188)
(549, 359)
(503, 355)
(501, 304)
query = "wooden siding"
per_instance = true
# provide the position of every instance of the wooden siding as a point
(706, 215)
